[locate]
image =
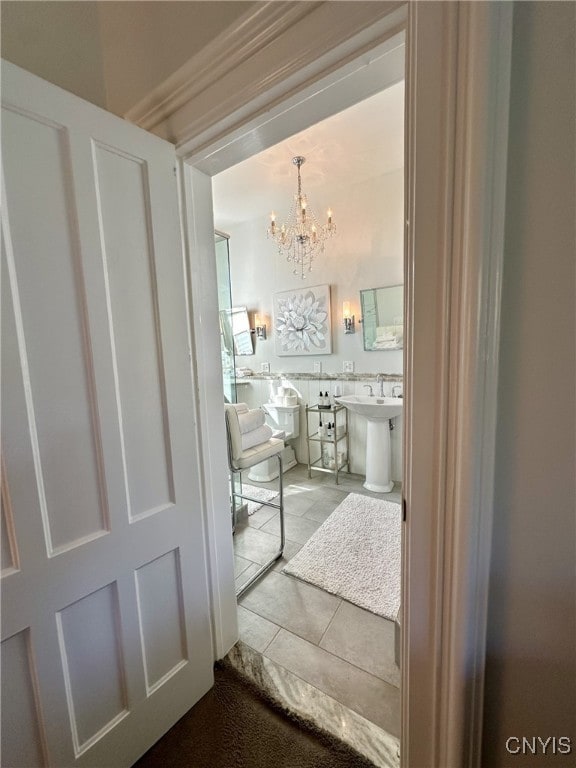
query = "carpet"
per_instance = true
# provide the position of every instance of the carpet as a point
(355, 554)
(258, 493)
(235, 726)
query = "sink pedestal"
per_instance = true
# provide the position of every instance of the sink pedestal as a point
(378, 457)
(378, 411)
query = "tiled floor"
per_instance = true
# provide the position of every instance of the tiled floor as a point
(343, 650)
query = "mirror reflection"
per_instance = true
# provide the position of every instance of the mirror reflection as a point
(382, 318)
(235, 330)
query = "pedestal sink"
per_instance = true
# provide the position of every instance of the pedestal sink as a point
(378, 411)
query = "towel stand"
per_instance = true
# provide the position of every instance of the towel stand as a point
(238, 461)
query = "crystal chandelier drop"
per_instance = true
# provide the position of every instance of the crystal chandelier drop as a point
(302, 237)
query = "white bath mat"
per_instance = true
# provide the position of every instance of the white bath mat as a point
(355, 554)
(257, 493)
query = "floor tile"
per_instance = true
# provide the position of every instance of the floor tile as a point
(363, 639)
(255, 631)
(240, 564)
(297, 528)
(290, 549)
(365, 694)
(255, 545)
(295, 605)
(332, 493)
(321, 510)
(297, 503)
(261, 516)
(245, 575)
(342, 651)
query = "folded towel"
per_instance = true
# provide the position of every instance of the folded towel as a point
(256, 436)
(251, 420)
(240, 407)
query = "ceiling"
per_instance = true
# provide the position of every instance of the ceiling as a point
(359, 143)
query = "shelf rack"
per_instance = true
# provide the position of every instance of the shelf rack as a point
(333, 413)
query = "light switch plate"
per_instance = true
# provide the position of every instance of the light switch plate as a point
(348, 366)
(317, 367)
(264, 367)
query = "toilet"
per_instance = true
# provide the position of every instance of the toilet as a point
(285, 422)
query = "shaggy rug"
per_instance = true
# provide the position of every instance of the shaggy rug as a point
(235, 726)
(355, 554)
(258, 493)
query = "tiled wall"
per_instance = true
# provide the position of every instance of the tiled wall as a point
(257, 391)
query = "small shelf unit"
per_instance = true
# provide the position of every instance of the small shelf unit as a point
(329, 446)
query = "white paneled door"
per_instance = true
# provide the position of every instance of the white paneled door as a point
(106, 637)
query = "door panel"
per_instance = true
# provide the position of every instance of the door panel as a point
(88, 634)
(129, 263)
(22, 742)
(106, 620)
(161, 617)
(61, 417)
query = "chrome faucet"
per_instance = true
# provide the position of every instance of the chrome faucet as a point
(370, 388)
(380, 380)
(394, 388)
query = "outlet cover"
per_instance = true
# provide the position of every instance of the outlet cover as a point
(264, 367)
(348, 366)
(317, 367)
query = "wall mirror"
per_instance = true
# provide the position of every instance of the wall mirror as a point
(382, 318)
(235, 330)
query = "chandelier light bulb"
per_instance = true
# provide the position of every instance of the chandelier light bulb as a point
(301, 238)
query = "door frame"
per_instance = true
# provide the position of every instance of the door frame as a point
(458, 76)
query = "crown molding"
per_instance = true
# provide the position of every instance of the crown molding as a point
(255, 29)
(260, 57)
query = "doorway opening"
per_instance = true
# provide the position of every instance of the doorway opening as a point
(345, 652)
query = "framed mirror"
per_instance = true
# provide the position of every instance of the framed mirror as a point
(235, 328)
(382, 318)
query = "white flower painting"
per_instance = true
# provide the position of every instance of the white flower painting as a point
(302, 321)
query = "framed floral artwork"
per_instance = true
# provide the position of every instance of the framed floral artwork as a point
(302, 322)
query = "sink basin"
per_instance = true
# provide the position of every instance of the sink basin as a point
(373, 407)
(377, 411)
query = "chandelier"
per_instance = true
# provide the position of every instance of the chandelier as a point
(302, 237)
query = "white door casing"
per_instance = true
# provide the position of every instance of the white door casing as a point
(458, 80)
(106, 626)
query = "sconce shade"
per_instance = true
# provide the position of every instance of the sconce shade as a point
(260, 326)
(347, 317)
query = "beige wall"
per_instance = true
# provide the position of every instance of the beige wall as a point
(145, 42)
(110, 53)
(58, 41)
(531, 675)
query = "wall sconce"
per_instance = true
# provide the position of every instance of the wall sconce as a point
(260, 327)
(347, 317)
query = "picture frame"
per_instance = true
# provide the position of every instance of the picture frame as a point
(303, 321)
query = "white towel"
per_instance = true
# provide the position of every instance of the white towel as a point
(240, 407)
(251, 420)
(256, 436)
